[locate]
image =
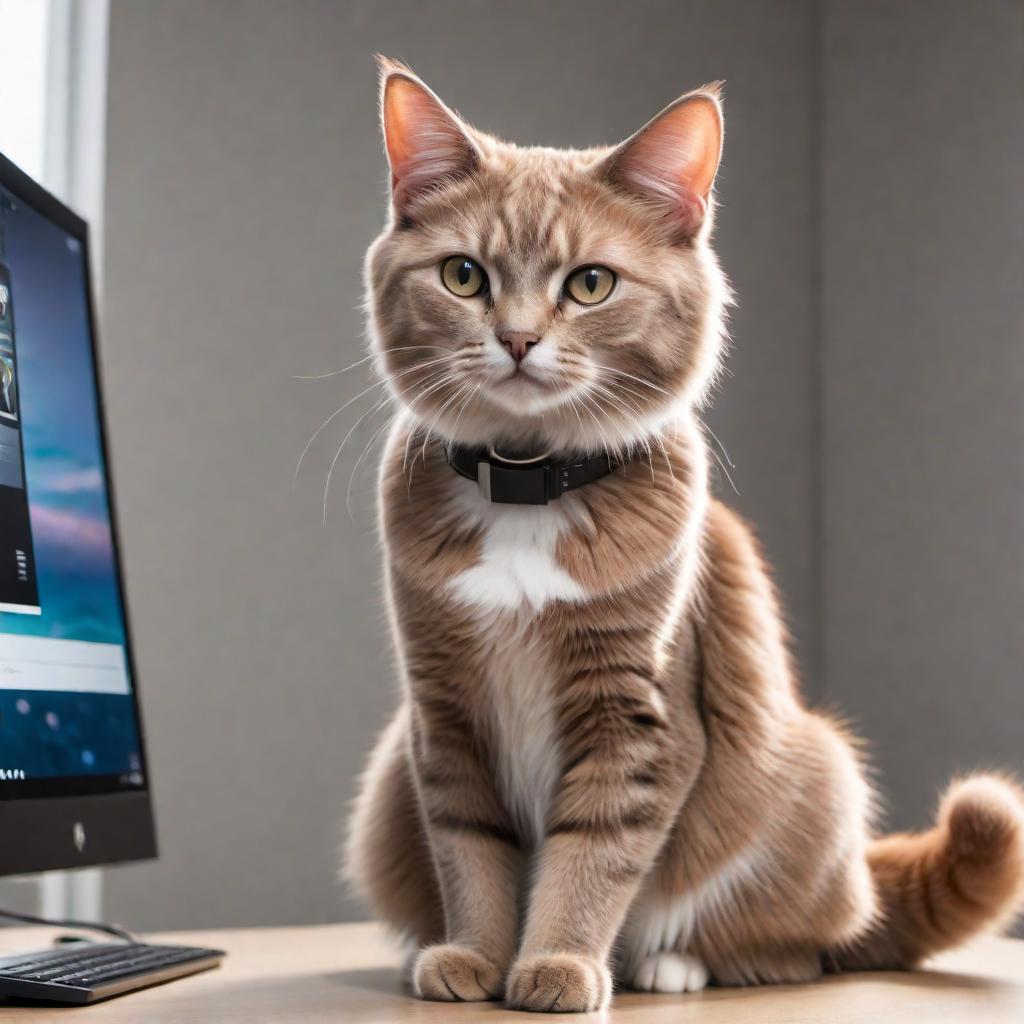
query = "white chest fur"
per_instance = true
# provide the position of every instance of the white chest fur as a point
(527, 749)
(517, 566)
(515, 578)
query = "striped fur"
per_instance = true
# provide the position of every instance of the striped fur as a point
(601, 763)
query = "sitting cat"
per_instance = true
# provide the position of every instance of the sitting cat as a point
(601, 765)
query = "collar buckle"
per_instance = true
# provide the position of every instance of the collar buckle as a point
(509, 481)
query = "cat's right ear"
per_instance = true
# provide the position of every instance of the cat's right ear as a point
(672, 161)
(426, 143)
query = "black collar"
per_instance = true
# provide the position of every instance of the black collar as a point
(513, 480)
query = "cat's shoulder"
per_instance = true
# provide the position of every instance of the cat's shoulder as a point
(731, 544)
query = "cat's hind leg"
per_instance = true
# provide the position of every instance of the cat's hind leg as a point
(669, 971)
(769, 965)
(386, 858)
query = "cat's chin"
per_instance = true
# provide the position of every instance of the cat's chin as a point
(526, 395)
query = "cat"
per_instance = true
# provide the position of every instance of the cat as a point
(601, 769)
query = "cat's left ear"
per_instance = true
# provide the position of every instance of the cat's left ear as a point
(672, 161)
(427, 144)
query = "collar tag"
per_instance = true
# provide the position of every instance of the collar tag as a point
(507, 481)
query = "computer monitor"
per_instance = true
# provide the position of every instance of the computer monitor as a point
(74, 786)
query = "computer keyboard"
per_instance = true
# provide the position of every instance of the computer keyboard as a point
(86, 972)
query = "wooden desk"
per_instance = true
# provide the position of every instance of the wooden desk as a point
(347, 974)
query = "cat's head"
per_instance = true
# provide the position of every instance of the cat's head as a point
(540, 297)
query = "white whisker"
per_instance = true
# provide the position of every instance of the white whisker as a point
(327, 486)
(634, 377)
(362, 455)
(412, 406)
(365, 359)
(440, 412)
(728, 475)
(732, 465)
(337, 412)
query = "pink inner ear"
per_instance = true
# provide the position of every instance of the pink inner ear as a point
(673, 160)
(425, 142)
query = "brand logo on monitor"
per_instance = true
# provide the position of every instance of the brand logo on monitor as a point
(78, 834)
(12, 774)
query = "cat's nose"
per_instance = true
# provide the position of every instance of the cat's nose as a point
(518, 343)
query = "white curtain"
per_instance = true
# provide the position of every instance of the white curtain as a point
(74, 168)
(76, 110)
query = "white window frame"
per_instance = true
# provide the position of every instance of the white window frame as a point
(74, 160)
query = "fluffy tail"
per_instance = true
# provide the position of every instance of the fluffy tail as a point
(938, 888)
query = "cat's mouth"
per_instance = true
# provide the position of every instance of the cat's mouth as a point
(523, 378)
(527, 392)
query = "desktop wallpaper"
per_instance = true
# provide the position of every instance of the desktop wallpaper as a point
(52, 733)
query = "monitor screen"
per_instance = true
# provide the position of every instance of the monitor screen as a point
(68, 716)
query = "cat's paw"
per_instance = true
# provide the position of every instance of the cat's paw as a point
(455, 974)
(559, 983)
(670, 972)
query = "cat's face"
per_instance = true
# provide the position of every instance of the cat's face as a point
(545, 297)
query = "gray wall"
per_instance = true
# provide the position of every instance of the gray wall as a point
(922, 384)
(245, 178)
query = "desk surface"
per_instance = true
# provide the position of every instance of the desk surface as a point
(349, 973)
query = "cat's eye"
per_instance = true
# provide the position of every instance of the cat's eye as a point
(590, 285)
(463, 276)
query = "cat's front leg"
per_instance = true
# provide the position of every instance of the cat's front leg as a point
(584, 887)
(478, 858)
(632, 763)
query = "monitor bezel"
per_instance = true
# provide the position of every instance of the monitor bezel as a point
(74, 825)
